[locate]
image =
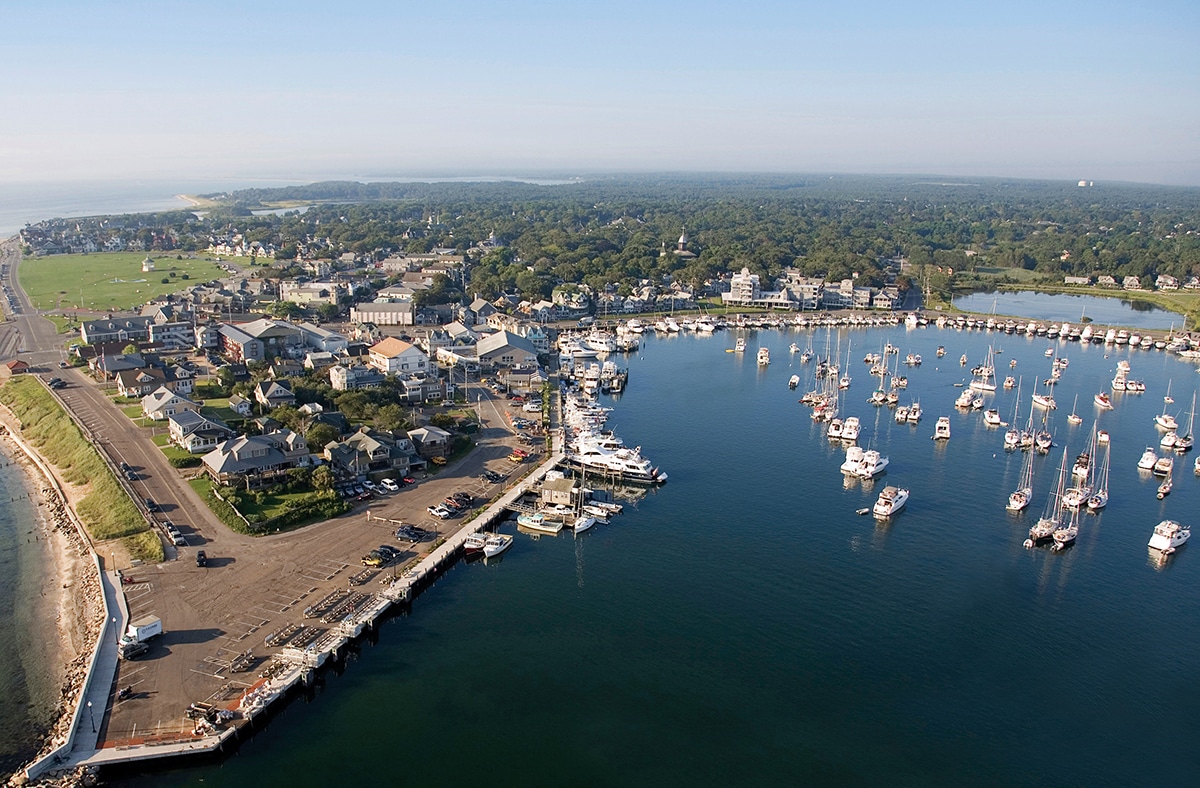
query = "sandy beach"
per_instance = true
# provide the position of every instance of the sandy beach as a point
(68, 611)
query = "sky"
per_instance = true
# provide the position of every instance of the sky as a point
(305, 90)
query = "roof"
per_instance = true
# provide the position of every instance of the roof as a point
(391, 347)
(498, 340)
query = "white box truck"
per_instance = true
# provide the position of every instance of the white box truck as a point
(143, 629)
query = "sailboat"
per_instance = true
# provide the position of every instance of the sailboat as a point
(1084, 470)
(985, 374)
(1048, 523)
(1075, 418)
(1099, 499)
(1165, 420)
(1184, 442)
(1066, 535)
(1019, 498)
(1012, 436)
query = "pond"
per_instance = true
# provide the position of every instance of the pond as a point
(1116, 311)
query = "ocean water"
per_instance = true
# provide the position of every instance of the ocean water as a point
(742, 625)
(28, 690)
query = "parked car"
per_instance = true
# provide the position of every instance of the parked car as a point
(388, 552)
(409, 480)
(365, 495)
(370, 485)
(201, 558)
(373, 558)
(389, 485)
(131, 476)
(441, 512)
(151, 506)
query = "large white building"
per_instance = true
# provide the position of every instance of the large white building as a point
(394, 356)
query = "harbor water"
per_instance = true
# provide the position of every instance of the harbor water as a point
(1125, 311)
(742, 625)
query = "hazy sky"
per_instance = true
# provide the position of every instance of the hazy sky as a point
(1095, 89)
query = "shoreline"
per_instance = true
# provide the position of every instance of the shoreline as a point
(77, 611)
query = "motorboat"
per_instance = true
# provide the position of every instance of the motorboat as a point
(890, 502)
(914, 413)
(1164, 465)
(624, 463)
(1164, 489)
(965, 399)
(1169, 535)
(537, 521)
(850, 428)
(941, 430)
(836, 429)
(474, 543)
(1010, 381)
(497, 544)
(1149, 457)
(764, 356)
(793, 381)
(901, 414)
(740, 345)
(991, 417)
(854, 455)
(1103, 401)
(871, 465)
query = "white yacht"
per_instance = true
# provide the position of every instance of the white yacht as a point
(793, 381)
(1168, 535)
(941, 430)
(991, 417)
(1149, 457)
(836, 429)
(583, 522)
(914, 413)
(622, 463)
(965, 400)
(1164, 465)
(854, 455)
(871, 465)
(764, 356)
(496, 544)
(850, 428)
(891, 501)
(1103, 401)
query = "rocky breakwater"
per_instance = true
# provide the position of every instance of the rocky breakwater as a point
(79, 616)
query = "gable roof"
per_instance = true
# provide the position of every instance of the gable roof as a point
(391, 347)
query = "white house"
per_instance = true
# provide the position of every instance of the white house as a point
(393, 356)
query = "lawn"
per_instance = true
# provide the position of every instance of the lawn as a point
(110, 281)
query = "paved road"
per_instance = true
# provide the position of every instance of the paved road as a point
(252, 586)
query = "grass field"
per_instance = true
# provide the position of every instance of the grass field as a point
(110, 281)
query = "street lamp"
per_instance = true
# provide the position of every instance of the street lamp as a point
(90, 717)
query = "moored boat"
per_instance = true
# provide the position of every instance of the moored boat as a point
(891, 500)
(1103, 400)
(1169, 535)
(941, 430)
(496, 544)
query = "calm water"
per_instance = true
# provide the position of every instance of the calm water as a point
(743, 626)
(27, 690)
(1065, 306)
